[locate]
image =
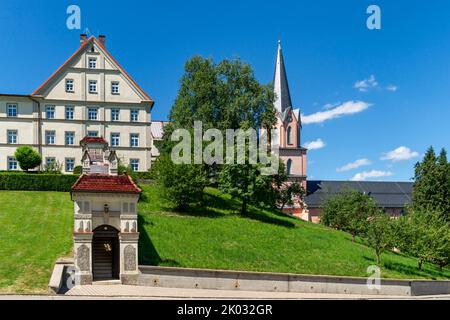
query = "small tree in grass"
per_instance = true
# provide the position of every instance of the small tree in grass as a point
(288, 192)
(348, 211)
(425, 236)
(27, 158)
(245, 182)
(379, 233)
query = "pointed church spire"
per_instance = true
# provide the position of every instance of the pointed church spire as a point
(280, 83)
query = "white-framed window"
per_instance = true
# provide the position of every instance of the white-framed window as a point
(92, 113)
(70, 85)
(115, 114)
(125, 207)
(134, 163)
(50, 112)
(12, 163)
(70, 138)
(115, 139)
(50, 136)
(134, 114)
(12, 136)
(69, 112)
(134, 140)
(11, 109)
(92, 63)
(92, 86)
(115, 87)
(49, 162)
(70, 164)
(92, 133)
(132, 207)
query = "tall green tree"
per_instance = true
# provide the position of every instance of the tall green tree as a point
(27, 158)
(431, 190)
(224, 95)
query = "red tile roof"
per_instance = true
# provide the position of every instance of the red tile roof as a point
(105, 183)
(88, 139)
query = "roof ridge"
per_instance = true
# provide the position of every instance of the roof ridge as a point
(134, 184)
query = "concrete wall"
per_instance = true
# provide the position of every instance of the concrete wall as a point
(256, 281)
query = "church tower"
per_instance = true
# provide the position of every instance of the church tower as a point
(289, 129)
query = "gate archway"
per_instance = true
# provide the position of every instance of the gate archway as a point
(105, 253)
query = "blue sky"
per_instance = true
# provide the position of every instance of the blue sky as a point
(397, 78)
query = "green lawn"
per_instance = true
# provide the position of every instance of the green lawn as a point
(218, 237)
(36, 229)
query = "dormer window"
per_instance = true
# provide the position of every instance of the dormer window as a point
(92, 63)
(69, 85)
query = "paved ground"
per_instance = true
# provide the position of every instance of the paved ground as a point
(137, 292)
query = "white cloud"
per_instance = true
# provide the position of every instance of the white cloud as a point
(314, 145)
(353, 165)
(392, 88)
(362, 176)
(346, 108)
(366, 84)
(400, 154)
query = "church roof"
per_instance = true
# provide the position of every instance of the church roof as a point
(386, 194)
(105, 183)
(280, 83)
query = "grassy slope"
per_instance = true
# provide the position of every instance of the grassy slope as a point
(217, 237)
(35, 229)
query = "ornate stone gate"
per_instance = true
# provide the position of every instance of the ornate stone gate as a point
(105, 202)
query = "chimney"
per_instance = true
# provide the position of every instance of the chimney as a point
(83, 38)
(102, 39)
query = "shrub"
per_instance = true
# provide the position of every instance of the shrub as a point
(144, 175)
(27, 158)
(78, 170)
(36, 182)
(182, 184)
(54, 167)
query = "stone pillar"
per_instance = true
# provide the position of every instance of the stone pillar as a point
(83, 256)
(129, 257)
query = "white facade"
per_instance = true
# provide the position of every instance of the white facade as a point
(89, 94)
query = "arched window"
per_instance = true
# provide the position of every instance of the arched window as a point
(288, 166)
(289, 135)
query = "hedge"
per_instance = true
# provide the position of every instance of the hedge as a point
(37, 182)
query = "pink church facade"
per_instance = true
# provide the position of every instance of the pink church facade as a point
(288, 134)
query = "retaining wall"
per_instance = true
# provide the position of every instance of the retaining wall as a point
(282, 282)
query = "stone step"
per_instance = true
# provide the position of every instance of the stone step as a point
(106, 282)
